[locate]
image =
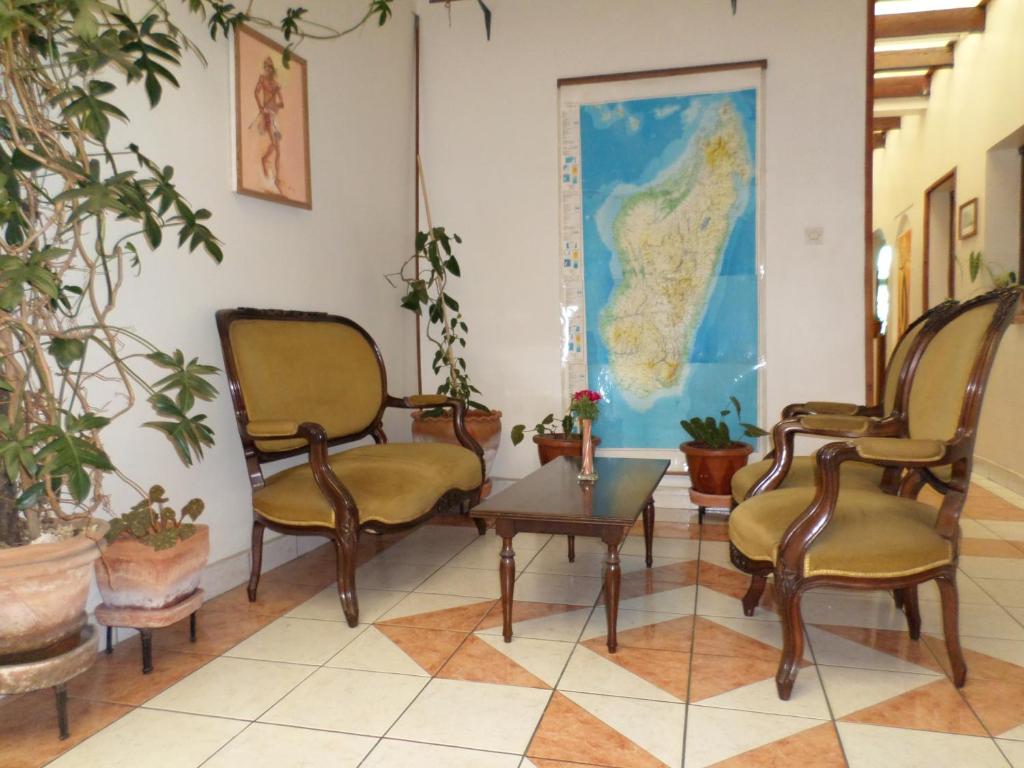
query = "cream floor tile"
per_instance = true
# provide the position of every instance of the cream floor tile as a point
(425, 602)
(676, 549)
(153, 739)
(1014, 751)
(226, 687)
(969, 590)
(466, 582)
(714, 735)
(1015, 734)
(1011, 651)
(975, 621)
(273, 746)
(588, 672)
(1011, 530)
(297, 641)
(767, 632)
(545, 659)
(655, 726)
(347, 700)
(554, 561)
(806, 700)
(681, 601)
(628, 619)
(716, 552)
(500, 718)
(993, 567)
(571, 590)
(422, 552)
(564, 627)
(325, 606)
(875, 610)
(1018, 614)
(485, 553)
(835, 651)
(870, 746)
(391, 753)
(1006, 593)
(972, 529)
(715, 604)
(850, 690)
(374, 651)
(392, 575)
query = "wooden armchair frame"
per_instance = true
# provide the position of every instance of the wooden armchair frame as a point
(346, 529)
(898, 453)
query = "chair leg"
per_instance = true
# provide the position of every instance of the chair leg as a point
(481, 525)
(257, 558)
(792, 637)
(897, 598)
(951, 626)
(912, 611)
(754, 592)
(345, 549)
(572, 548)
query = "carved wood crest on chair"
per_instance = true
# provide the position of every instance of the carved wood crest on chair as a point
(832, 535)
(305, 382)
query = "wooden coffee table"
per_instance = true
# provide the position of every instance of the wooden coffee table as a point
(552, 500)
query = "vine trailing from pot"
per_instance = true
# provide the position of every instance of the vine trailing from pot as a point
(446, 328)
(79, 215)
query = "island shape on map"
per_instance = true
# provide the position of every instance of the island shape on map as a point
(669, 237)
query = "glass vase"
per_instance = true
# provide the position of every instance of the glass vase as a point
(587, 472)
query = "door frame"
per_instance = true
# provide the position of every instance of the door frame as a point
(926, 240)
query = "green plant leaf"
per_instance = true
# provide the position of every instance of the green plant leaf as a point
(67, 351)
(518, 433)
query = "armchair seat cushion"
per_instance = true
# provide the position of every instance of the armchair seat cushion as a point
(391, 483)
(871, 534)
(855, 475)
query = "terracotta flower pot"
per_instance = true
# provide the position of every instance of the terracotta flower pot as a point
(134, 575)
(711, 469)
(484, 426)
(551, 446)
(43, 589)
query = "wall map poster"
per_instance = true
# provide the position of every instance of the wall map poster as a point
(660, 267)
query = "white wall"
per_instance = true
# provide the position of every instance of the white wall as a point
(331, 258)
(972, 108)
(489, 142)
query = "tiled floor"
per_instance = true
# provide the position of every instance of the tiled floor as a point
(426, 680)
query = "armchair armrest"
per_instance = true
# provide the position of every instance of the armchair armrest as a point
(827, 408)
(271, 429)
(899, 450)
(458, 417)
(852, 425)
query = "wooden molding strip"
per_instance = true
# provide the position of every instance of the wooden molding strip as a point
(901, 87)
(923, 57)
(890, 123)
(952, 22)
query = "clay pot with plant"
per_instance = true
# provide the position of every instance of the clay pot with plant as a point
(712, 455)
(550, 442)
(425, 276)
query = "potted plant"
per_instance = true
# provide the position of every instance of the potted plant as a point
(446, 328)
(551, 443)
(79, 216)
(712, 456)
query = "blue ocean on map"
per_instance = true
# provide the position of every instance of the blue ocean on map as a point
(624, 146)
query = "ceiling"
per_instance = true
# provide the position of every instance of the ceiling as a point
(913, 40)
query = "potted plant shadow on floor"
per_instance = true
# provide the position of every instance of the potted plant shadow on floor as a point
(712, 455)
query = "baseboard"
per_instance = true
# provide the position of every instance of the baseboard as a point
(999, 479)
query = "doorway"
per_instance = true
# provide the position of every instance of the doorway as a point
(938, 264)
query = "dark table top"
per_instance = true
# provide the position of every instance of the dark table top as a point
(553, 492)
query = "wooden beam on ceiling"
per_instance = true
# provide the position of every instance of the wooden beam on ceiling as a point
(883, 124)
(918, 59)
(951, 22)
(901, 87)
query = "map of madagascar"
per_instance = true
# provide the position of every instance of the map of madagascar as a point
(669, 223)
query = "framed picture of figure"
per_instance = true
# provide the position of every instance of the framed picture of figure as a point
(271, 126)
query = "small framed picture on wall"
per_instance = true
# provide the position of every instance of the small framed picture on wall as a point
(271, 121)
(967, 219)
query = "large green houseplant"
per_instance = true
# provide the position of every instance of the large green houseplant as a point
(79, 213)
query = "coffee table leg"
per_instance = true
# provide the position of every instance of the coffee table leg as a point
(508, 577)
(612, 579)
(649, 531)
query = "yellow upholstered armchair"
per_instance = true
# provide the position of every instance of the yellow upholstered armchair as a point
(781, 469)
(836, 535)
(304, 382)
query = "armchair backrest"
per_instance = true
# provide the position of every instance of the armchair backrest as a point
(896, 371)
(944, 402)
(301, 367)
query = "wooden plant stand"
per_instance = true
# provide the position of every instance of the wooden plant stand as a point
(33, 672)
(145, 620)
(709, 500)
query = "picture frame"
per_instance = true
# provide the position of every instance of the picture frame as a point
(967, 219)
(271, 121)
